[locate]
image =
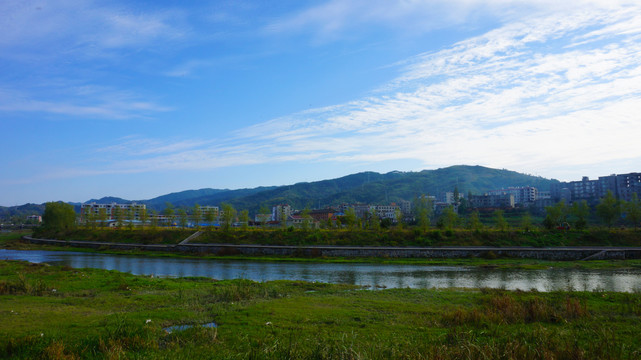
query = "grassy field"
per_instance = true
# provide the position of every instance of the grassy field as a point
(136, 236)
(51, 312)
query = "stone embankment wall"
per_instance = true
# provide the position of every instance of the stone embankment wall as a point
(557, 253)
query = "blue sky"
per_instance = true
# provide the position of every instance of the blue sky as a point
(137, 99)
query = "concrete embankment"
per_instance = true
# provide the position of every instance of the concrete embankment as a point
(556, 253)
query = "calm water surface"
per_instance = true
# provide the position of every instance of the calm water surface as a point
(373, 275)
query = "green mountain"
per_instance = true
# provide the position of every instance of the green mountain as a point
(108, 200)
(376, 188)
(7, 212)
(202, 197)
(365, 187)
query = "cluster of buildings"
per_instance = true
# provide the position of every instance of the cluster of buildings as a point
(136, 213)
(521, 196)
(110, 213)
(314, 218)
(622, 186)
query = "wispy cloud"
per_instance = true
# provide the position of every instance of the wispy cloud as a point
(539, 93)
(81, 26)
(55, 56)
(141, 146)
(339, 19)
(522, 95)
(80, 102)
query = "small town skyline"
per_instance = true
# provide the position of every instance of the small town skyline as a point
(622, 186)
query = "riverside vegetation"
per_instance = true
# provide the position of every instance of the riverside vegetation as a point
(499, 228)
(346, 237)
(53, 312)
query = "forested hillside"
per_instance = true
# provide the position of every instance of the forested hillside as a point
(366, 187)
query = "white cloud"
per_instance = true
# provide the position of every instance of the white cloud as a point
(80, 102)
(554, 91)
(338, 19)
(523, 94)
(57, 28)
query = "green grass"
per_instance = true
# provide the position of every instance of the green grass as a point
(11, 236)
(343, 237)
(135, 236)
(103, 315)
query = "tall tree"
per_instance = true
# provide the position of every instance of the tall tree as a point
(59, 216)
(374, 220)
(210, 216)
(90, 218)
(282, 217)
(264, 215)
(526, 222)
(307, 219)
(130, 213)
(197, 215)
(118, 213)
(456, 195)
(168, 211)
(555, 215)
(608, 209)
(143, 216)
(449, 218)
(422, 211)
(580, 211)
(398, 216)
(244, 219)
(499, 220)
(102, 216)
(182, 218)
(154, 219)
(633, 211)
(350, 218)
(474, 221)
(228, 215)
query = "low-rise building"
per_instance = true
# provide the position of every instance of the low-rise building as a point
(628, 184)
(206, 210)
(622, 186)
(322, 215)
(281, 212)
(34, 218)
(132, 211)
(523, 195)
(492, 201)
(387, 211)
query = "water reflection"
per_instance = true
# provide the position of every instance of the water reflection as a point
(374, 275)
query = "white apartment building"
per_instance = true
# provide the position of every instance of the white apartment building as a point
(523, 195)
(387, 211)
(204, 210)
(281, 212)
(110, 210)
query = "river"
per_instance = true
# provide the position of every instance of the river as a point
(370, 275)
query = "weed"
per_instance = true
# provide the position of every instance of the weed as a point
(22, 286)
(306, 320)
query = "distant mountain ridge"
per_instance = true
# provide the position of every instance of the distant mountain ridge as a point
(365, 187)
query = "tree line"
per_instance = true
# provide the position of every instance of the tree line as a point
(577, 215)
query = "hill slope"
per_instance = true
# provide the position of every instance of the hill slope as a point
(366, 187)
(371, 187)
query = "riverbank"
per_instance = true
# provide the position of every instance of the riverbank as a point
(59, 312)
(356, 238)
(13, 241)
(555, 253)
